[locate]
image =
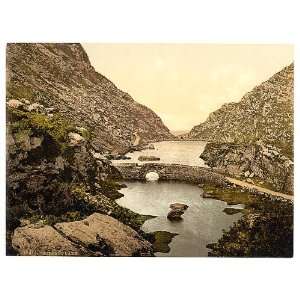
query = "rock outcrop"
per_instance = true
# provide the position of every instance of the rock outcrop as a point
(43, 241)
(97, 235)
(61, 76)
(265, 113)
(253, 163)
(54, 175)
(107, 235)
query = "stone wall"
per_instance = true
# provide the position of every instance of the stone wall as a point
(133, 171)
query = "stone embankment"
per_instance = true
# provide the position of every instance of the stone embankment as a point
(191, 174)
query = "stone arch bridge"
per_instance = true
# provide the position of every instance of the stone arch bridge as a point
(184, 173)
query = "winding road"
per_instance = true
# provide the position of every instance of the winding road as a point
(260, 189)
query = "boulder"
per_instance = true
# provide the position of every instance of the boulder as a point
(247, 173)
(13, 103)
(75, 139)
(50, 110)
(99, 156)
(27, 102)
(207, 195)
(35, 241)
(178, 206)
(36, 107)
(59, 163)
(175, 214)
(36, 141)
(103, 233)
(250, 180)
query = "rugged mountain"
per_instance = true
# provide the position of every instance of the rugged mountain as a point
(265, 113)
(61, 76)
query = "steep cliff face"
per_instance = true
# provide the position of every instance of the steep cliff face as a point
(61, 76)
(265, 113)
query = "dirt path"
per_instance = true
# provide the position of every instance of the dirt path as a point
(260, 189)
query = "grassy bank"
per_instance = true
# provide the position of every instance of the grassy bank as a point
(265, 230)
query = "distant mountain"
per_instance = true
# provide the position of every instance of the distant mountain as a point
(61, 76)
(178, 133)
(265, 113)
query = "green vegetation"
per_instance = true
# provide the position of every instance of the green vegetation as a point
(265, 229)
(50, 219)
(232, 211)
(54, 130)
(232, 195)
(19, 92)
(265, 232)
(161, 241)
(57, 127)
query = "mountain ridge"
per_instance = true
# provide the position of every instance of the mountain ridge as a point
(61, 76)
(264, 113)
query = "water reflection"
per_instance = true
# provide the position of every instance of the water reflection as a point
(202, 223)
(177, 152)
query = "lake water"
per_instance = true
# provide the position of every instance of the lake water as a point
(177, 152)
(202, 222)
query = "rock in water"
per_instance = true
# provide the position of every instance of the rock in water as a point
(177, 210)
(178, 206)
(148, 158)
(175, 214)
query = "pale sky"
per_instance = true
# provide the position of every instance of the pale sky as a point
(183, 83)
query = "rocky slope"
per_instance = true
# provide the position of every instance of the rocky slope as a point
(55, 176)
(265, 113)
(61, 76)
(255, 163)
